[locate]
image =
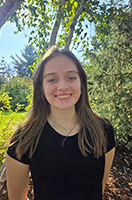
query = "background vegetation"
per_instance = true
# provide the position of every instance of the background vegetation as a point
(110, 70)
(107, 59)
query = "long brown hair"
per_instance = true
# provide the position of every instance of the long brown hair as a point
(28, 133)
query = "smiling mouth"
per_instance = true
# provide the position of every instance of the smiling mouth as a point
(63, 96)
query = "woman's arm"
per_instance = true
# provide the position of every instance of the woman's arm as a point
(108, 163)
(17, 175)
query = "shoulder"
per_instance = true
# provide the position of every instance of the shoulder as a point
(109, 134)
(12, 149)
(108, 127)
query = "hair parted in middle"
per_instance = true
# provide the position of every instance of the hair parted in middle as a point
(31, 129)
(39, 97)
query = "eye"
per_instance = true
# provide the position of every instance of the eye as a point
(52, 80)
(72, 78)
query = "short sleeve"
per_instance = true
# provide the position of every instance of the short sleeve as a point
(109, 131)
(11, 151)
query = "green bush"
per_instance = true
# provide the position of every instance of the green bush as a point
(18, 89)
(9, 119)
(110, 70)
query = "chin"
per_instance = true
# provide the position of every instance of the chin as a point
(64, 107)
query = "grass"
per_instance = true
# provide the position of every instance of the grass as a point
(8, 123)
(17, 116)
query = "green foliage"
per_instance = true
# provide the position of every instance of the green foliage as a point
(18, 89)
(110, 58)
(40, 15)
(5, 100)
(1, 2)
(23, 65)
(8, 121)
(5, 71)
(111, 73)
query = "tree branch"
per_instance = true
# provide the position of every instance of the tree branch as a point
(7, 10)
(74, 21)
(56, 24)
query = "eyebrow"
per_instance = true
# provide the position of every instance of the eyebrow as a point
(54, 73)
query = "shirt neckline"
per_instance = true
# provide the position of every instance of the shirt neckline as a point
(64, 136)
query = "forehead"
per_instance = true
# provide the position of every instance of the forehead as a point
(60, 63)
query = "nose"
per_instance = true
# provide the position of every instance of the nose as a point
(62, 85)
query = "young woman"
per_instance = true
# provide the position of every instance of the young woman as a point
(67, 147)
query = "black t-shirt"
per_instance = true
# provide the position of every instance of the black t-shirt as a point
(62, 172)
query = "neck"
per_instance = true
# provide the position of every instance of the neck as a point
(63, 117)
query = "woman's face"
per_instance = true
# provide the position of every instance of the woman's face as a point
(61, 83)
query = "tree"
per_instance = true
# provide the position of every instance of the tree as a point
(111, 73)
(7, 9)
(68, 20)
(63, 22)
(5, 71)
(40, 16)
(23, 65)
(2, 71)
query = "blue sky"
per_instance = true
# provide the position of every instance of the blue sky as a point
(10, 43)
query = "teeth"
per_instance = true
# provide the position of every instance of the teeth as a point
(64, 96)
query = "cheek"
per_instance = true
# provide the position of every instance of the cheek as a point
(78, 87)
(48, 91)
(77, 90)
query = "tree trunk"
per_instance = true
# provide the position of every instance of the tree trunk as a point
(74, 21)
(7, 10)
(56, 24)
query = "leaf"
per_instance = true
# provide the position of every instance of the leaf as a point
(83, 14)
(32, 32)
(71, 1)
(30, 38)
(75, 4)
(85, 34)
